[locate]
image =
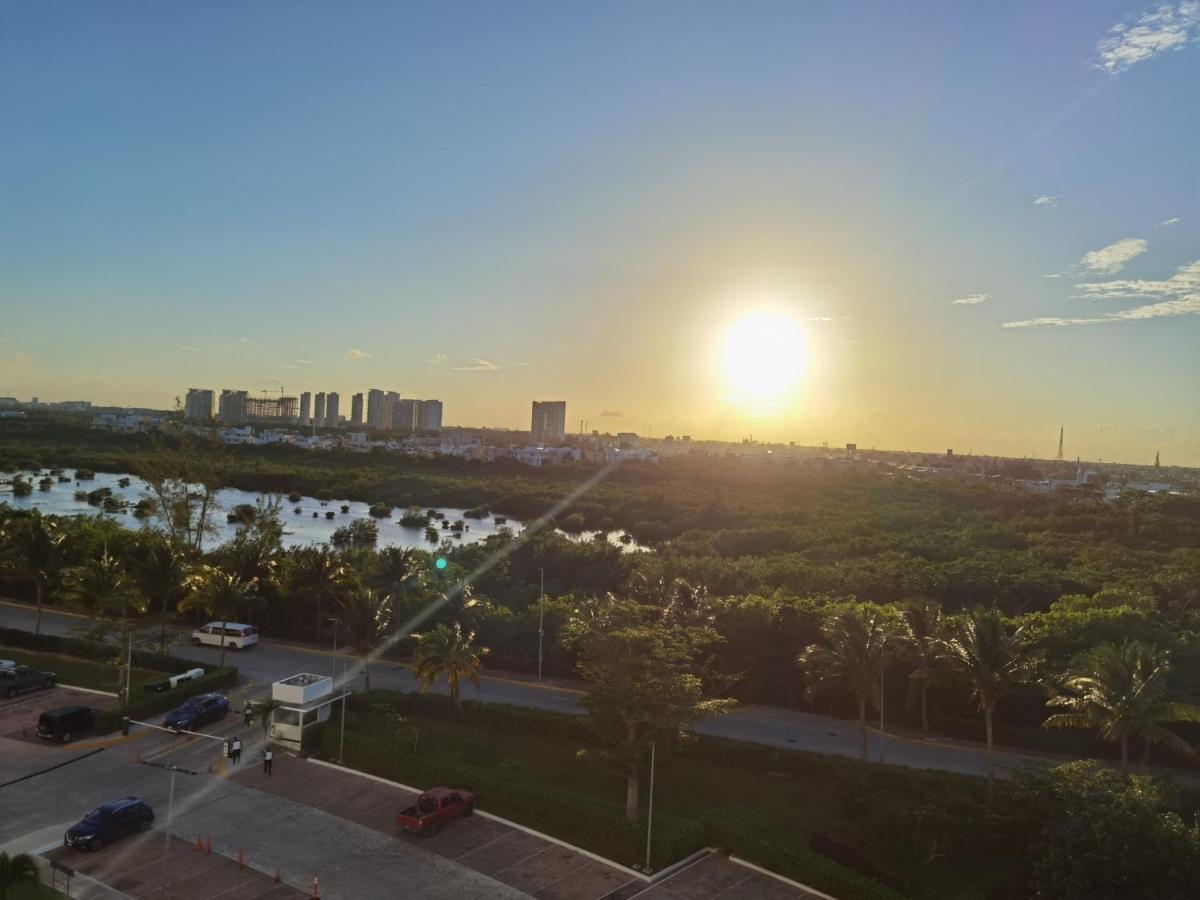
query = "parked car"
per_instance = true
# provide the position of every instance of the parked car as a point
(435, 807)
(66, 723)
(8, 663)
(197, 711)
(174, 681)
(17, 679)
(106, 823)
(233, 635)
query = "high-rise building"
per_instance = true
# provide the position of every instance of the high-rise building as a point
(356, 409)
(429, 415)
(319, 409)
(404, 415)
(549, 421)
(199, 405)
(332, 400)
(231, 408)
(375, 409)
(305, 407)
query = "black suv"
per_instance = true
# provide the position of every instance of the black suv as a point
(65, 723)
(199, 710)
(106, 823)
(19, 679)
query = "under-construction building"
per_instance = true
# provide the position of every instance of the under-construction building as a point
(239, 406)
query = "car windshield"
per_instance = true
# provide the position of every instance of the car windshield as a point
(97, 816)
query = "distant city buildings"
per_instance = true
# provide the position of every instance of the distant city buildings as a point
(549, 424)
(198, 407)
(356, 410)
(375, 399)
(319, 409)
(332, 417)
(429, 415)
(231, 408)
(404, 415)
(305, 408)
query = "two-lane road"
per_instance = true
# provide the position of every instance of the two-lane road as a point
(774, 726)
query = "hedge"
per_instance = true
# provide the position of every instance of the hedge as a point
(743, 833)
(143, 705)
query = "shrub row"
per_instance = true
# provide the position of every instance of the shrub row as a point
(69, 646)
(741, 832)
(573, 817)
(148, 705)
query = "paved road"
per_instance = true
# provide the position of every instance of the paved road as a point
(774, 726)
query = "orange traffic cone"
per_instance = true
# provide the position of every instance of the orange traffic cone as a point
(199, 846)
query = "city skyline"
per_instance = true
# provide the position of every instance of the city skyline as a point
(587, 205)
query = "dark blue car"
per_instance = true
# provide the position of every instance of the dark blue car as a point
(197, 711)
(106, 823)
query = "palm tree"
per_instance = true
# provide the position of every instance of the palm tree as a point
(264, 710)
(986, 651)
(1122, 692)
(850, 659)
(219, 594)
(162, 573)
(37, 552)
(446, 650)
(367, 617)
(317, 576)
(103, 588)
(15, 869)
(922, 637)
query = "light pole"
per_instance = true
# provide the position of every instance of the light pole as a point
(162, 878)
(650, 810)
(882, 666)
(541, 617)
(342, 738)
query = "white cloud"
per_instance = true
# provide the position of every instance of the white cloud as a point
(287, 366)
(437, 359)
(304, 362)
(354, 354)
(478, 365)
(1112, 259)
(1054, 275)
(970, 300)
(1166, 223)
(1046, 200)
(1168, 27)
(1178, 295)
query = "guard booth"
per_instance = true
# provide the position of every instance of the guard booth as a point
(305, 701)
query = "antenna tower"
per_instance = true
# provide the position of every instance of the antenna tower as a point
(1060, 442)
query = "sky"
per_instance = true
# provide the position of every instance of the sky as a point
(973, 223)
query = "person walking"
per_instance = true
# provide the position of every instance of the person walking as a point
(268, 759)
(236, 752)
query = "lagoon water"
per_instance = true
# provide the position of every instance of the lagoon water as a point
(298, 528)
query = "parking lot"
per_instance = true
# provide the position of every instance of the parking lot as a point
(134, 867)
(19, 716)
(532, 864)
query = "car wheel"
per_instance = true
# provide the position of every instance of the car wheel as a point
(195, 642)
(10, 693)
(96, 844)
(470, 811)
(145, 826)
(66, 737)
(49, 683)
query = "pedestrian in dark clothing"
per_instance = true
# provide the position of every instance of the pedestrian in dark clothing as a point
(236, 753)
(267, 760)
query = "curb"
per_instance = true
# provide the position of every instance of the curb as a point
(75, 687)
(633, 873)
(736, 860)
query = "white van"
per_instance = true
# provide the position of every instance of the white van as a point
(232, 634)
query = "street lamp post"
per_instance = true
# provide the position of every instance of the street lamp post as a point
(650, 810)
(162, 878)
(882, 666)
(541, 617)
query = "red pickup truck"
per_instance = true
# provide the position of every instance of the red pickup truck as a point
(435, 806)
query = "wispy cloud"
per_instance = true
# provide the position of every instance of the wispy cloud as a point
(287, 366)
(1178, 295)
(1046, 200)
(437, 359)
(187, 349)
(1167, 27)
(521, 365)
(1112, 259)
(1053, 275)
(477, 365)
(10, 361)
(304, 362)
(611, 414)
(1167, 223)
(971, 300)
(354, 354)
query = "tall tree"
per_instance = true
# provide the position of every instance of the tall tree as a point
(986, 651)
(849, 659)
(105, 590)
(220, 594)
(162, 571)
(184, 479)
(923, 641)
(641, 681)
(446, 650)
(397, 572)
(1122, 691)
(316, 577)
(367, 617)
(37, 552)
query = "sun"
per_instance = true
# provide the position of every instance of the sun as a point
(764, 357)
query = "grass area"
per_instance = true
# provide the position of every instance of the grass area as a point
(80, 672)
(794, 805)
(35, 891)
